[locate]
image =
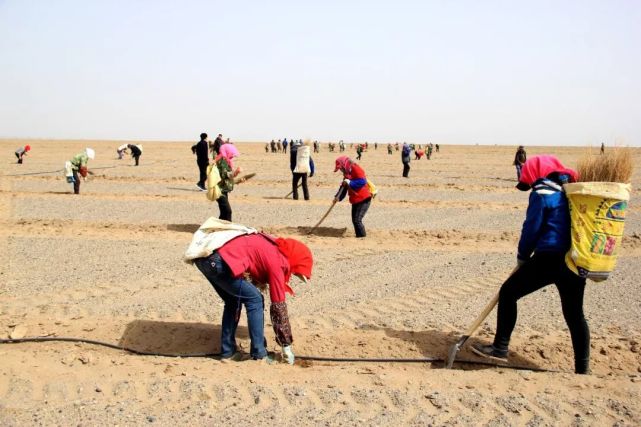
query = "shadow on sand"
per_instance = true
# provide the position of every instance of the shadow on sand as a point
(183, 228)
(183, 189)
(435, 343)
(323, 231)
(174, 338)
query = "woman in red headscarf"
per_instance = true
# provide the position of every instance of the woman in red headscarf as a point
(241, 264)
(355, 184)
(545, 239)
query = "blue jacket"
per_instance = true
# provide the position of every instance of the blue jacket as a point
(547, 223)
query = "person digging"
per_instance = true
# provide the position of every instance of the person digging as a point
(544, 241)
(243, 262)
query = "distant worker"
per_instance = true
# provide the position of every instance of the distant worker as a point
(359, 151)
(136, 152)
(78, 167)
(21, 152)
(602, 148)
(301, 164)
(215, 146)
(285, 147)
(201, 150)
(225, 166)
(405, 158)
(519, 159)
(437, 147)
(355, 185)
(122, 150)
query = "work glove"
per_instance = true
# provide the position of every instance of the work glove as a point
(288, 354)
(346, 182)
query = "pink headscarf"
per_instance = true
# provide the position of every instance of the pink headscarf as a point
(228, 152)
(344, 163)
(538, 167)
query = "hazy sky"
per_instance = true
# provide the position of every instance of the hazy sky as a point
(507, 72)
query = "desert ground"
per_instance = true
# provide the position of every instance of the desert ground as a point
(107, 265)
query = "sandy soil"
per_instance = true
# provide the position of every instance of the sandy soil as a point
(107, 265)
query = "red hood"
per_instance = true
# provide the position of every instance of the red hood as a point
(538, 167)
(299, 257)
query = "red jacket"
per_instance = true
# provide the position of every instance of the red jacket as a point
(357, 189)
(260, 257)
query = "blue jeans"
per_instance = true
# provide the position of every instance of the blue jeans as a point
(235, 292)
(518, 171)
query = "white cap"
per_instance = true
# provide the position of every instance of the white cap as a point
(90, 153)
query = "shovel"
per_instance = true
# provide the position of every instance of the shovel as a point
(451, 356)
(323, 218)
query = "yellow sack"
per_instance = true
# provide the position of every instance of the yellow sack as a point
(372, 188)
(213, 179)
(597, 215)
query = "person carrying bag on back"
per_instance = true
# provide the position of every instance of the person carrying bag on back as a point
(545, 239)
(301, 164)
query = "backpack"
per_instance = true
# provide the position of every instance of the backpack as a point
(302, 160)
(372, 188)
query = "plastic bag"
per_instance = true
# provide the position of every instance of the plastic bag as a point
(213, 179)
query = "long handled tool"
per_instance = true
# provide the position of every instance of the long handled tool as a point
(244, 178)
(323, 218)
(451, 356)
(292, 192)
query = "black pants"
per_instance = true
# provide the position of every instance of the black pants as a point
(295, 178)
(358, 212)
(19, 158)
(76, 182)
(202, 167)
(406, 169)
(224, 207)
(544, 269)
(137, 159)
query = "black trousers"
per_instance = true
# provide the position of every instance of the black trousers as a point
(224, 207)
(137, 159)
(541, 270)
(76, 182)
(406, 169)
(295, 178)
(202, 168)
(358, 212)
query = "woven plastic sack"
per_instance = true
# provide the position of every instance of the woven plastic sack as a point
(597, 214)
(302, 160)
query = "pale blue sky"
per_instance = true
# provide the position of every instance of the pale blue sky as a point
(454, 72)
